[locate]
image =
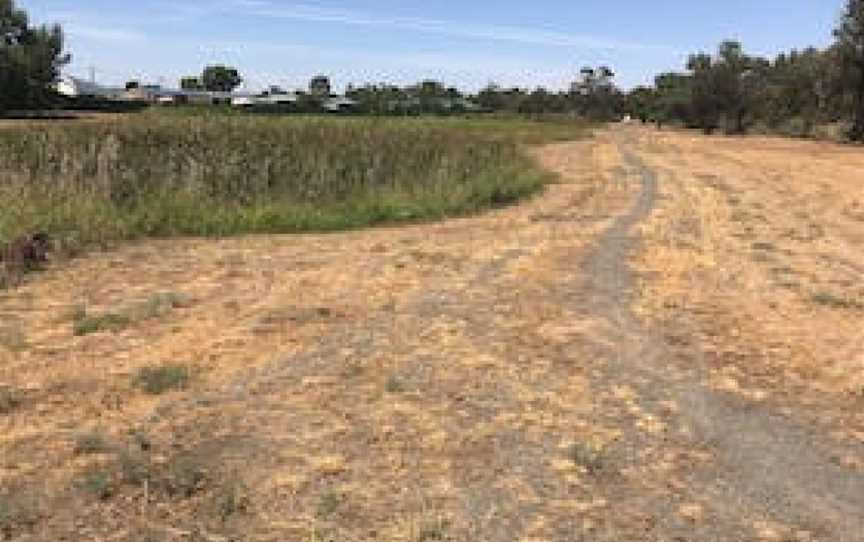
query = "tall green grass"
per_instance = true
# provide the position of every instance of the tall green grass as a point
(166, 175)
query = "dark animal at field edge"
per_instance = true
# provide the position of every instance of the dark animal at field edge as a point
(26, 253)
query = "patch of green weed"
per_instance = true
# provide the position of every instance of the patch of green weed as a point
(161, 379)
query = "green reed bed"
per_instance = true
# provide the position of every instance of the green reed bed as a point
(166, 175)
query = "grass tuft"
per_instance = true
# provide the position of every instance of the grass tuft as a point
(97, 483)
(9, 400)
(587, 456)
(231, 500)
(155, 306)
(328, 504)
(85, 324)
(91, 443)
(185, 477)
(162, 379)
(433, 530)
(834, 301)
(395, 384)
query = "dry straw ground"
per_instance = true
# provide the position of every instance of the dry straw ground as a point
(756, 254)
(484, 378)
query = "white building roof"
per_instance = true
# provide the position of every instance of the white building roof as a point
(75, 87)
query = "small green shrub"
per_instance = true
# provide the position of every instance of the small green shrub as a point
(433, 530)
(97, 483)
(91, 443)
(157, 306)
(231, 500)
(185, 476)
(87, 325)
(587, 456)
(829, 299)
(395, 384)
(328, 504)
(159, 380)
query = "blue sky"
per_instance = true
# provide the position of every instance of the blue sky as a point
(467, 43)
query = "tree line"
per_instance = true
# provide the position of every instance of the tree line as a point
(730, 90)
(795, 93)
(593, 95)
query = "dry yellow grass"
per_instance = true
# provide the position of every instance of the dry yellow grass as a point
(756, 255)
(468, 380)
(371, 370)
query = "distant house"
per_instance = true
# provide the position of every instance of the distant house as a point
(142, 93)
(243, 101)
(340, 104)
(272, 100)
(73, 87)
(264, 101)
(195, 97)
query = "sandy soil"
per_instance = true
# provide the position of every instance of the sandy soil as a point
(618, 359)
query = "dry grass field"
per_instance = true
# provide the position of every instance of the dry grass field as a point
(664, 345)
(756, 256)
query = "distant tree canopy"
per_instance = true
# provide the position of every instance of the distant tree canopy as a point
(850, 52)
(792, 93)
(595, 97)
(217, 78)
(191, 82)
(320, 86)
(30, 59)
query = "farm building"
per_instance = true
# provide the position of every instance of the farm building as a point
(74, 87)
(340, 104)
(273, 100)
(248, 100)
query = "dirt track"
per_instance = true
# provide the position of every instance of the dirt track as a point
(532, 374)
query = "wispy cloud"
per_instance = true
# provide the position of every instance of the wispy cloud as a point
(517, 34)
(77, 25)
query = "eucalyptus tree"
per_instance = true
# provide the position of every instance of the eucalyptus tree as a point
(850, 46)
(30, 59)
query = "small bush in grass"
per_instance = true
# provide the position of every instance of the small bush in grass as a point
(433, 530)
(588, 456)
(92, 442)
(97, 483)
(185, 476)
(395, 384)
(9, 401)
(157, 305)
(85, 324)
(161, 379)
(135, 468)
(231, 500)
(831, 300)
(328, 504)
